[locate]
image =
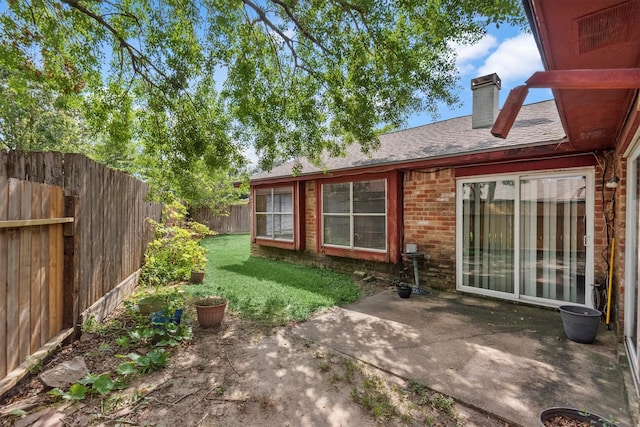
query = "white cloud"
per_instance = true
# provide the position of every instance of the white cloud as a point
(514, 60)
(466, 54)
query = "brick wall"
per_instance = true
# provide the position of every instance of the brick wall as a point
(312, 258)
(430, 222)
(617, 313)
(311, 202)
(429, 200)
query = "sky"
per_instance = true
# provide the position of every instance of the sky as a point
(507, 51)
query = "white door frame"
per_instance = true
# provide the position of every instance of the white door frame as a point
(517, 294)
(631, 307)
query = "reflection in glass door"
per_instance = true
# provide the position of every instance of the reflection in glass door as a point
(552, 230)
(488, 230)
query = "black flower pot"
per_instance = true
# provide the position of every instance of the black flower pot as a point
(575, 414)
(404, 291)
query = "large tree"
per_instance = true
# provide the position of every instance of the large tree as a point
(198, 81)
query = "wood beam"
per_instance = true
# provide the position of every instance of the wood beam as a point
(509, 112)
(614, 78)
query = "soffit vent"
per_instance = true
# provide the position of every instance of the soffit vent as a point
(607, 27)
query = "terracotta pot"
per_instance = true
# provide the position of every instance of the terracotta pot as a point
(210, 316)
(197, 276)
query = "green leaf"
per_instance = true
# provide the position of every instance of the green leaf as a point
(56, 392)
(88, 379)
(158, 356)
(298, 79)
(122, 342)
(103, 384)
(76, 392)
(127, 368)
(18, 413)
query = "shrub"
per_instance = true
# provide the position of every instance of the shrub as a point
(174, 252)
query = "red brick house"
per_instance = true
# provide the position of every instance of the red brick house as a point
(533, 216)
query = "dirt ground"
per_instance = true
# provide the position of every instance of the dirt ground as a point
(241, 375)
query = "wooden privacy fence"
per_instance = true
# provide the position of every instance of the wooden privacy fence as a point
(31, 244)
(236, 221)
(72, 236)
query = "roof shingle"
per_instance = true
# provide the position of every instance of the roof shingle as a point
(537, 123)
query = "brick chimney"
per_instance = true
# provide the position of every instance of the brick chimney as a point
(485, 100)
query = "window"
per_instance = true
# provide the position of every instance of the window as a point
(354, 215)
(274, 213)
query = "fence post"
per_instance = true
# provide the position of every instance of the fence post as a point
(70, 271)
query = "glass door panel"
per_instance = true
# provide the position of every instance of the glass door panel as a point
(634, 301)
(488, 231)
(552, 229)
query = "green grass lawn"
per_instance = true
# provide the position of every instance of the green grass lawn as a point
(268, 291)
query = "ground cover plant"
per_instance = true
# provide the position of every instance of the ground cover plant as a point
(143, 373)
(266, 291)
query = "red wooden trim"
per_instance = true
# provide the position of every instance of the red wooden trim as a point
(280, 184)
(394, 226)
(509, 112)
(296, 220)
(275, 243)
(355, 253)
(630, 127)
(394, 213)
(584, 160)
(318, 217)
(369, 176)
(300, 217)
(252, 215)
(608, 78)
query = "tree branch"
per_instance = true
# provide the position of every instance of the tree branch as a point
(137, 58)
(301, 27)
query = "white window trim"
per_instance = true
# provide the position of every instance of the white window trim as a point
(516, 295)
(352, 214)
(272, 213)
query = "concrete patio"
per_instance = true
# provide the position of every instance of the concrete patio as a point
(509, 360)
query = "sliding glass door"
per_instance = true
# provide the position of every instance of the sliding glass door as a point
(526, 237)
(632, 263)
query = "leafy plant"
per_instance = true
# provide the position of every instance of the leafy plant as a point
(76, 392)
(209, 301)
(174, 252)
(153, 360)
(101, 384)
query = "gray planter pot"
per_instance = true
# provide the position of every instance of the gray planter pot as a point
(580, 323)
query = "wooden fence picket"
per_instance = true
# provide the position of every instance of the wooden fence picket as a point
(54, 266)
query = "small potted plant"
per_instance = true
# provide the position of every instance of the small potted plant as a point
(210, 311)
(151, 303)
(199, 262)
(170, 312)
(404, 290)
(568, 417)
(403, 287)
